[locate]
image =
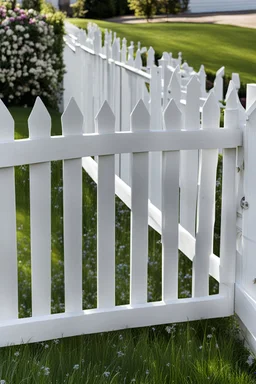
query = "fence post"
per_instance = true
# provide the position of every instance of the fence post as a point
(249, 215)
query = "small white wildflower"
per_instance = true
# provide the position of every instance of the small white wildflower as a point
(147, 372)
(120, 337)
(168, 365)
(2, 382)
(217, 345)
(76, 367)
(56, 341)
(120, 354)
(133, 380)
(46, 346)
(250, 360)
(168, 329)
(209, 336)
(153, 329)
(16, 354)
(47, 371)
(106, 374)
(201, 347)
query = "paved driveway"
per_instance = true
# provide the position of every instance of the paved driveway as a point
(241, 19)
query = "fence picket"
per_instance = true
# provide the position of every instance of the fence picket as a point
(140, 121)
(228, 211)
(8, 248)
(206, 203)
(202, 79)
(219, 84)
(155, 158)
(116, 90)
(105, 122)
(174, 87)
(170, 208)
(72, 124)
(39, 125)
(190, 160)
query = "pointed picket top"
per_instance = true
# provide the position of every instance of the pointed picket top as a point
(220, 72)
(124, 50)
(82, 37)
(211, 112)
(130, 53)
(166, 57)
(172, 116)
(150, 57)
(193, 89)
(176, 73)
(115, 50)
(138, 60)
(251, 112)
(7, 124)
(201, 71)
(110, 37)
(39, 121)
(236, 80)
(97, 41)
(180, 57)
(231, 86)
(163, 62)
(174, 86)
(140, 118)
(185, 66)
(232, 99)
(72, 119)
(105, 119)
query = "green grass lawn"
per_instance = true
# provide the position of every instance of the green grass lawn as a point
(209, 44)
(200, 352)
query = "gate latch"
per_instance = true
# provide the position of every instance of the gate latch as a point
(244, 204)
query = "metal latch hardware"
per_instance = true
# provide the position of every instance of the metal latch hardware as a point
(244, 204)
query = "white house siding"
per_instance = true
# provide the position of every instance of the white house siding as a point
(197, 6)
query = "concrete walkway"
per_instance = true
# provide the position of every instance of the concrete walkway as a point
(240, 19)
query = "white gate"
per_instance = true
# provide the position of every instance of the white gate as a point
(73, 147)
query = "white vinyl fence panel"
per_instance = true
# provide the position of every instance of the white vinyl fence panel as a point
(38, 151)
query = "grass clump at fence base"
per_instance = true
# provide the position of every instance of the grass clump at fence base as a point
(199, 352)
(212, 45)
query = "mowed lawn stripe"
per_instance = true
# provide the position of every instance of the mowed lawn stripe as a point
(209, 44)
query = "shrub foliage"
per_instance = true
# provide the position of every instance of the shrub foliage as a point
(31, 52)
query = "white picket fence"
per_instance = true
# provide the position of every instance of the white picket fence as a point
(75, 147)
(185, 139)
(123, 84)
(105, 71)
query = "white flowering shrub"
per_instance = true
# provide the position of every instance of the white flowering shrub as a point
(31, 61)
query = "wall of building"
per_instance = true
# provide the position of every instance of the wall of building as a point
(197, 6)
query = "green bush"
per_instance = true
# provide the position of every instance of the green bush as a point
(31, 51)
(32, 4)
(145, 8)
(78, 8)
